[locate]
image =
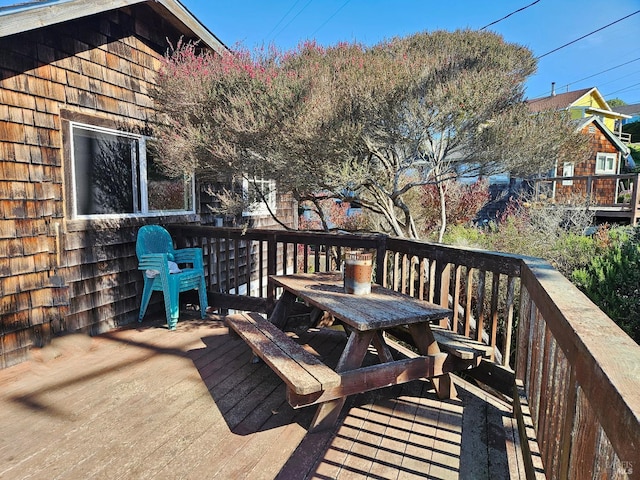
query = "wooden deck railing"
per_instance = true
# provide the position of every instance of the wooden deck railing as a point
(575, 373)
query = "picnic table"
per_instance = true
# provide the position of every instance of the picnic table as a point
(365, 318)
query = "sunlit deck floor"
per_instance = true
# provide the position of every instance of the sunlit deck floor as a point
(148, 403)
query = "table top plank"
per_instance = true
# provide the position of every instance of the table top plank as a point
(382, 308)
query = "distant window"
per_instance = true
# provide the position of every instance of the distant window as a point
(260, 196)
(605, 163)
(115, 174)
(567, 171)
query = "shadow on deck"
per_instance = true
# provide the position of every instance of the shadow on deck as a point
(148, 403)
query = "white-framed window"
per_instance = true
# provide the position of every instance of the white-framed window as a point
(605, 163)
(255, 191)
(114, 174)
(568, 171)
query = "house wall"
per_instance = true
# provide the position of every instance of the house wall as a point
(57, 274)
(592, 101)
(603, 190)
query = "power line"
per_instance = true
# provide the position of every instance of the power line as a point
(328, 19)
(282, 19)
(585, 36)
(634, 73)
(292, 19)
(507, 16)
(603, 71)
(622, 89)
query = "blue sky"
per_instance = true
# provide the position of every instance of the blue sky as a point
(609, 59)
(542, 27)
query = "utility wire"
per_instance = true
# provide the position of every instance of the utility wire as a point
(282, 19)
(585, 36)
(328, 19)
(507, 16)
(623, 89)
(292, 19)
(603, 71)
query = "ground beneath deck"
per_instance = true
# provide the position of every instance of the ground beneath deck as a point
(148, 403)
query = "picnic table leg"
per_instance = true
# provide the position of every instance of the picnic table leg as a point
(351, 358)
(384, 353)
(281, 310)
(427, 345)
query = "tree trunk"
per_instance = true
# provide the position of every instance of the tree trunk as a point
(443, 212)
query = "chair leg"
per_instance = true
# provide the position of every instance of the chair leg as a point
(173, 310)
(171, 307)
(202, 293)
(146, 296)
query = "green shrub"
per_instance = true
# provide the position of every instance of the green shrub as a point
(612, 281)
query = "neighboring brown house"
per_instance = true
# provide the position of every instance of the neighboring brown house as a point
(594, 179)
(76, 177)
(608, 158)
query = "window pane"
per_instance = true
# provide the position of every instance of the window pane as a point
(166, 193)
(103, 164)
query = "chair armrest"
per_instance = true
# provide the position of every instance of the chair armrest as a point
(154, 261)
(191, 255)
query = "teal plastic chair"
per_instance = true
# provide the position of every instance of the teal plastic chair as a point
(154, 248)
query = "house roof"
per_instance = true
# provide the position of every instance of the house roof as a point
(35, 14)
(583, 122)
(557, 102)
(564, 101)
(632, 110)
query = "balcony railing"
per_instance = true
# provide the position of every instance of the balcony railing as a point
(609, 196)
(623, 136)
(574, 372)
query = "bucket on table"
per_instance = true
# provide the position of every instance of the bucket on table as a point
(357, 273)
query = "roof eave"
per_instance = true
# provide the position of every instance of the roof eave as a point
(42, 15)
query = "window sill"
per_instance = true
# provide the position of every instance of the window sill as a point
(82, 224)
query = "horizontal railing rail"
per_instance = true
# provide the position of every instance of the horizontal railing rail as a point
(576, 372)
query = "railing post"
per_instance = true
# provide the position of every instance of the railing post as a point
(272, 255)
(381, 253)
(635, 206)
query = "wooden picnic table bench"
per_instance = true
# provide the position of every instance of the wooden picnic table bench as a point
(366, 318)
(302, 372)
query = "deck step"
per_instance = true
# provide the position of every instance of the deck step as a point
(300, 370)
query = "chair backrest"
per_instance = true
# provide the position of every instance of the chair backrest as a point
(154, 239)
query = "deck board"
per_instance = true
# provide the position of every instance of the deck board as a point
(143, 402)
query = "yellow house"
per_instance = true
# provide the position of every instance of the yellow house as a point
(581, 104)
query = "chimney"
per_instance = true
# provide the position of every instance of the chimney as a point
(553, 89)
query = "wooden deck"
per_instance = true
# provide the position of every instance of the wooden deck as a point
(148, 403)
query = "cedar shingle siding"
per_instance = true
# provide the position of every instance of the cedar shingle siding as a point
(602, 191)
(58, 274)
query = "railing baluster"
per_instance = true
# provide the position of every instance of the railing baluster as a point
(404, 273)
(432, 280)
(456, 327)
(468, 301)
(482, 275)
(305, 255)
(495, 290)
(316, 259)
(412, 276)
(423, 265)
(396, 258)
(511, 289)
(236, 266)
